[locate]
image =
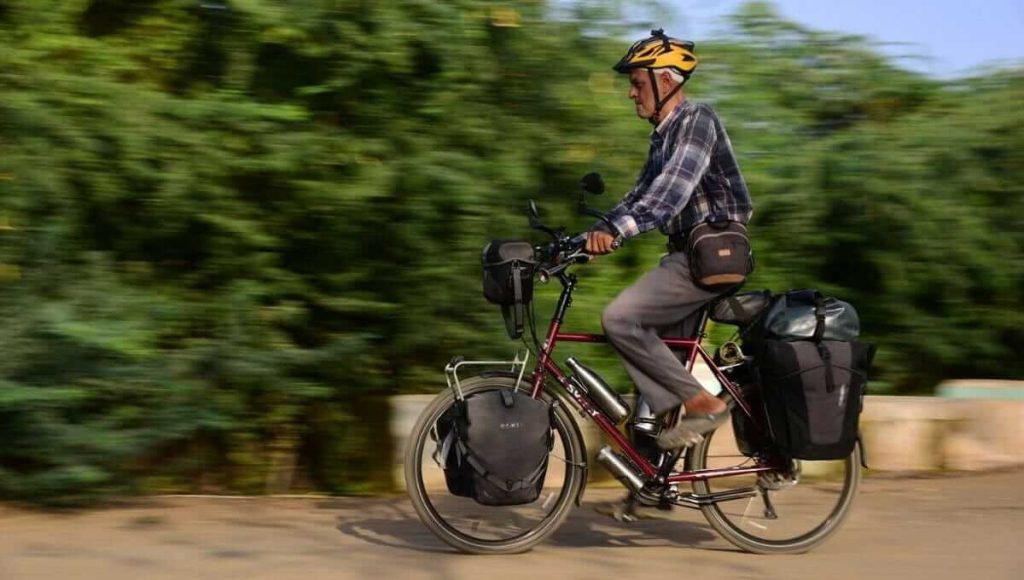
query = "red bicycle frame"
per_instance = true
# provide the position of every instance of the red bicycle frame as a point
(547, 367)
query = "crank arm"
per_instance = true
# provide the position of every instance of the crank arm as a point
(693, 500)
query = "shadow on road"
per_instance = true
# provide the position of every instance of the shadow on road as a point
(587, 528)
(395, 525)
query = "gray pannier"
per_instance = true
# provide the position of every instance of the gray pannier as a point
(494, 447)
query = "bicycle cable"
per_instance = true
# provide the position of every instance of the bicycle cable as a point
(533, 327)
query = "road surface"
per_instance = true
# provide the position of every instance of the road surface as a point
(957, 527)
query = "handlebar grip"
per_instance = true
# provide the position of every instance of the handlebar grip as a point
(579, 240)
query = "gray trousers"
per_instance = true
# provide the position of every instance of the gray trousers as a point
(658, 304)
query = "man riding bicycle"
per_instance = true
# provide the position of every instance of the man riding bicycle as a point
(691, 178)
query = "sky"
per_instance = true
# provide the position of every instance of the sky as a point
(942, 38)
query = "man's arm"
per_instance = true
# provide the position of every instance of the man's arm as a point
(624, 204)
(671, 190)
(601, 237)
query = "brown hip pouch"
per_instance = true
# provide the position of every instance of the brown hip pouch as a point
(719, 253)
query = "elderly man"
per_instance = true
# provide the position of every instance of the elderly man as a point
(691, 178)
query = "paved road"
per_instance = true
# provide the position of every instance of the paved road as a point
(962, 527)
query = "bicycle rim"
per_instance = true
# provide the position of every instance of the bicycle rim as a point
(471, 527)
(806, 504)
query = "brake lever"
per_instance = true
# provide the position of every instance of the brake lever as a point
(579, 255)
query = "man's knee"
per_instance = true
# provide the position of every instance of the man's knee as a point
(617, 318)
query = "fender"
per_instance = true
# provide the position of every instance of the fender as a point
(559, 399)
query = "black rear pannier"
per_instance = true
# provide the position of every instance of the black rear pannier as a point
(813, 395)
(494, 447)
(508, 280)
(812, 373)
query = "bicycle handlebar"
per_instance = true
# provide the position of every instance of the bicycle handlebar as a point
(570, 251)
(565, 250)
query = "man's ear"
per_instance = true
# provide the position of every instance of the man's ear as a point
(665, 81)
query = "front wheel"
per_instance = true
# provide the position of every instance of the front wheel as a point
(791, 512)
(479, 529)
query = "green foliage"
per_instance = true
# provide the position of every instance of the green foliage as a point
(228, 228)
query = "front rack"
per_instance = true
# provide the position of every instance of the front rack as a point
(451, 370)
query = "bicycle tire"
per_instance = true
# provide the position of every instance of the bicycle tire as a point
(574, 475)
(751, 532)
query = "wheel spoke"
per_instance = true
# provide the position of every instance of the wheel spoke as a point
(796, 510)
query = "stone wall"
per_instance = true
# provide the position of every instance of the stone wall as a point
(901, 434)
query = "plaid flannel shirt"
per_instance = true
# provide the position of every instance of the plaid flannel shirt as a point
(690, 177)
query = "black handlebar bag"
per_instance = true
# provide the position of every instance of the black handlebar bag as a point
(494, 447)
(508, 280)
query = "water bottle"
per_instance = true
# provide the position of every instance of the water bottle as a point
(599, 392)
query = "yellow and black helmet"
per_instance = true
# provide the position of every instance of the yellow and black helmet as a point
(659, 51)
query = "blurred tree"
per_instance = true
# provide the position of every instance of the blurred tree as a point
(227, 228)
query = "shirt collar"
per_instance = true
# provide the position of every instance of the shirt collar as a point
(665, 123)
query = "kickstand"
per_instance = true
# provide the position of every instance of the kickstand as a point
(769, 509)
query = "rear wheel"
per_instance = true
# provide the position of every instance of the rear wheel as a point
(479, 529)
(791, 512)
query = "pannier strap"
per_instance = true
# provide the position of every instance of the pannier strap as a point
(819, 332)
(819, 315)
(505, 484)
(517, 285)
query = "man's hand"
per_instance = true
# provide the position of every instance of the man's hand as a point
(599, 242)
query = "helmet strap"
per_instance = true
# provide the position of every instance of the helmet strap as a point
(659, 102)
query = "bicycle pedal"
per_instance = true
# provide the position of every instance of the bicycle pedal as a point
(620, 512)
